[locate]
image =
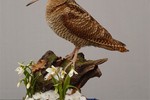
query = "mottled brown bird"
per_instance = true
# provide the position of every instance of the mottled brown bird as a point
(71, 22)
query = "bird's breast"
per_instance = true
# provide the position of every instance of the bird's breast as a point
(55, 22)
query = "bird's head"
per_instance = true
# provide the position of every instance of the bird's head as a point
(49, 1)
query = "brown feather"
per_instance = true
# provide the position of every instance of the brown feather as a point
(73, 23)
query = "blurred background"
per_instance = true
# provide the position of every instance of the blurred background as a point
(25, 36)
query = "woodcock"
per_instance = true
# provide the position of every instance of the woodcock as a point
(71, 22)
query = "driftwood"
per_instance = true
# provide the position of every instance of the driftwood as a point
(86, 69)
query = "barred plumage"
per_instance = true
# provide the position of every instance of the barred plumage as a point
(74, 24)
(71, 22)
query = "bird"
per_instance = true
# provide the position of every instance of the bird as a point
(73, 23)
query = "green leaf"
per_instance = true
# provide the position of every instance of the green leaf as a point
(61, 92)
(71, 86)
(54, 80)
(66, 83)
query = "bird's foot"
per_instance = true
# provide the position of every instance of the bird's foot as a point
(70, 56)
(71, 63)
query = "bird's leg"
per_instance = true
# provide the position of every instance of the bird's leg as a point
(74, 58)
(71, 55)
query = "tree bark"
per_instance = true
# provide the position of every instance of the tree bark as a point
(86, 69)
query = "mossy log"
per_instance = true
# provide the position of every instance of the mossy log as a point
(86, 69)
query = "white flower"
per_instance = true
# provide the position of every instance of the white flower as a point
(72, 71)
(20, 70)
(26, 98)
(51, 71)
(63, 73)
(20, 64)
(28, 85)
(59, 74)
(31, 63)
(30, 79)
(18, 84)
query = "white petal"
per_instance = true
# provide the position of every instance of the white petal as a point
(54, 69)
(63, 73)
(18, 84)
(19, 70)
(20, 64)
(28, 85)
(71, 72)
(26, 98)
(75, 72)
(47, 76)
(56, 77)
(49, 70)
(30, 79)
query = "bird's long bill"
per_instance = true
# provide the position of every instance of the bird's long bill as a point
(33, 1)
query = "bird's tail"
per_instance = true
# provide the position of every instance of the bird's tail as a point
(119, 46)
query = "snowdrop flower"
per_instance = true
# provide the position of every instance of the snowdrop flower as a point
(72, 71)
(51, 71)
(28, 85)
(20, 64)
(26, 98)
(20, 70)
(18, 84)
(62, 73)
(29, 81)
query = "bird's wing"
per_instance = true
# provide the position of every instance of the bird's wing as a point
(81, 24)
